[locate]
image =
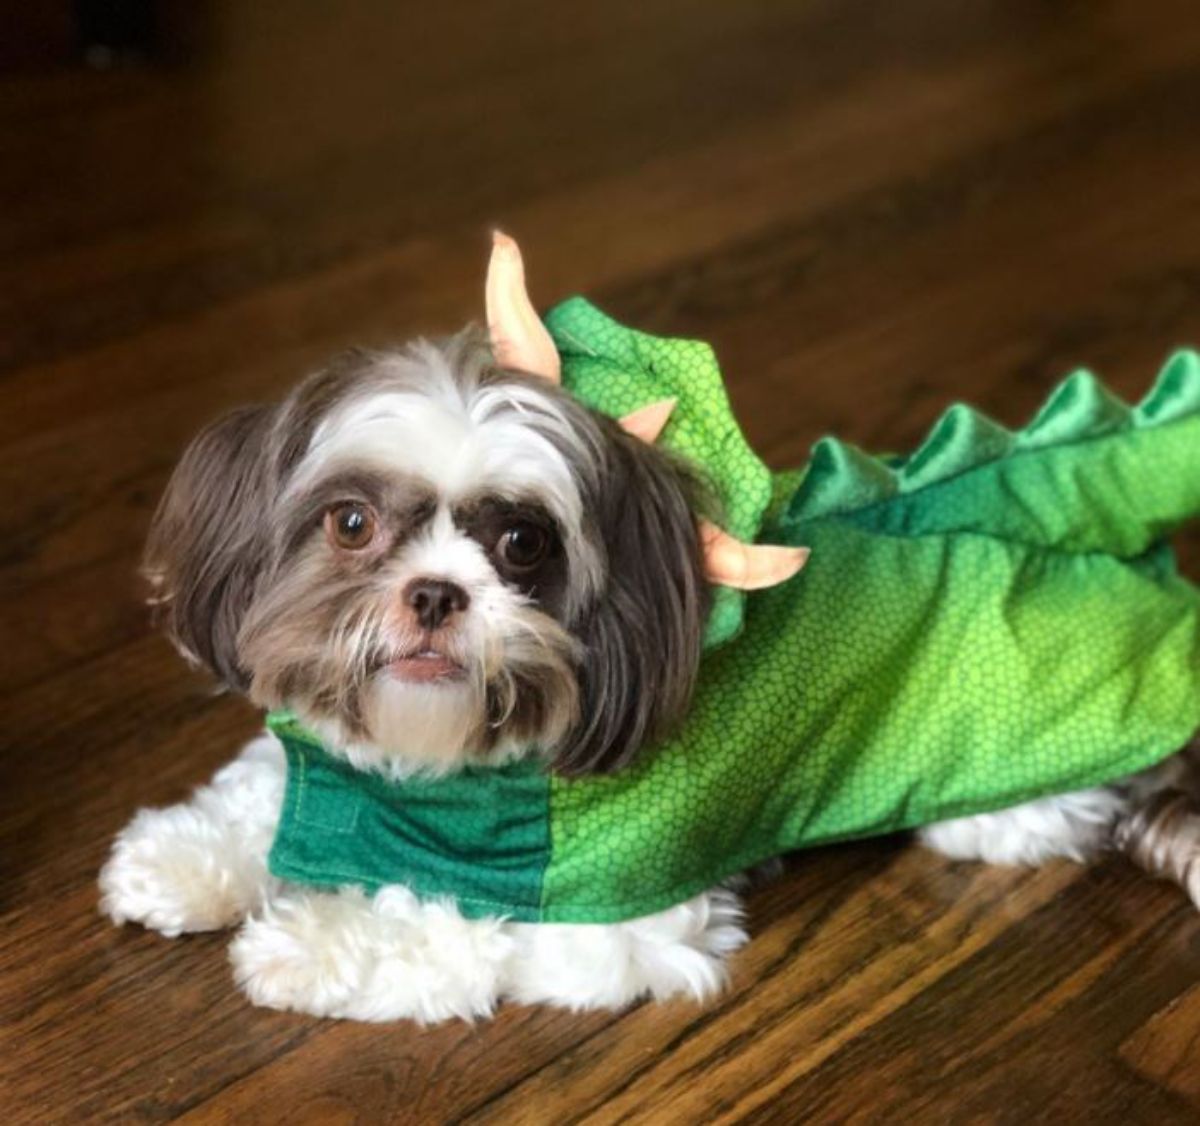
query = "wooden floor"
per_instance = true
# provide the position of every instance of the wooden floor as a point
(870, 209)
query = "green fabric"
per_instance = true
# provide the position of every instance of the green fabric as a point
(616, 370)
(343, 826)
(994, 618)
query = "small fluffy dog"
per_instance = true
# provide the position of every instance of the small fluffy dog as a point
(434, 560)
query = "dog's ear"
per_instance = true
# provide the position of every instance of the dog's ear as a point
(642, 637)
(208, 539)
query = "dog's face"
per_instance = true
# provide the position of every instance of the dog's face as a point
(434, 561)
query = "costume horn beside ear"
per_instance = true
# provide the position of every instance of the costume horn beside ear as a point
(519, 339)
(747, 566)
(727, 561)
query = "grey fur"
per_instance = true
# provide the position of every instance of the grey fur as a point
(208, 540)
(642, 635)
(613, 636)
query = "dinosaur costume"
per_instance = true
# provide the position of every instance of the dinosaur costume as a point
(995, 618)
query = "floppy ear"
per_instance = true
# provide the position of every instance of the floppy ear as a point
(208, 540)
(642, 638)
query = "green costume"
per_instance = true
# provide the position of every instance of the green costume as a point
(995, 618)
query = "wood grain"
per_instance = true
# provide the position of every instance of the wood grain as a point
(869, 209)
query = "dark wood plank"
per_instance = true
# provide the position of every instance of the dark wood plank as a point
(871, 210)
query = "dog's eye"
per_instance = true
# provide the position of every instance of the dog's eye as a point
(350, 526)
(523, 546)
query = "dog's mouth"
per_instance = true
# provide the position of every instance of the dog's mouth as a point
(425, 665)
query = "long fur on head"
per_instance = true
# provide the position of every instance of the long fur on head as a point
(642, 637)
(589, 657)
(206, 545)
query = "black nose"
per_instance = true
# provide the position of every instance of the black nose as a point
(434, 600)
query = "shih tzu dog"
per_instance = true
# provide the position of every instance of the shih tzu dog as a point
(434, 559)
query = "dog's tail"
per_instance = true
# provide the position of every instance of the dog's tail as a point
(1162, 835)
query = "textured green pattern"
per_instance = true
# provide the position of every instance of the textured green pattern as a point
(616, 370)
(341, 826)
(982, 623)
(991, 619)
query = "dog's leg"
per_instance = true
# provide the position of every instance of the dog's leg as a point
(1142, 815)
(678, 952)
(1077, 826)
(202, 864)
(387, 957)
(384, 957)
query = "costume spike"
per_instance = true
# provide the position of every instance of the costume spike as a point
(727, 561)
(648, 422)
(1176, 392)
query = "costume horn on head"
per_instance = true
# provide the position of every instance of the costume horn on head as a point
(520, 341)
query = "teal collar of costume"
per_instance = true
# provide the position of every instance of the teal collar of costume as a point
(995, 618)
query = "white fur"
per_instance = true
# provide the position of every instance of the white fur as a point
(462, 438)
(414, 726)
(426, 414)
(1075, 826)
(681, 951)
(201, 865)
(380, 958)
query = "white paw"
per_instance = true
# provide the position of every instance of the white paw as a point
(1075, 825)
(390, 957)
(678, 952)
(176, 870)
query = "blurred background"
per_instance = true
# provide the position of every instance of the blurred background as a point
(869, 209)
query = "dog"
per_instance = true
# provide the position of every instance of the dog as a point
(439, 561)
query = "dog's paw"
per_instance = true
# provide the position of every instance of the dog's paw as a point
(176, 870)
(680, 952)
(387, 958)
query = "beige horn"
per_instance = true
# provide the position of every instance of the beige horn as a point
(727, 561)
(519, 339)
(746, 566)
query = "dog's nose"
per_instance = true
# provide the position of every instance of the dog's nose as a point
(434, 600)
